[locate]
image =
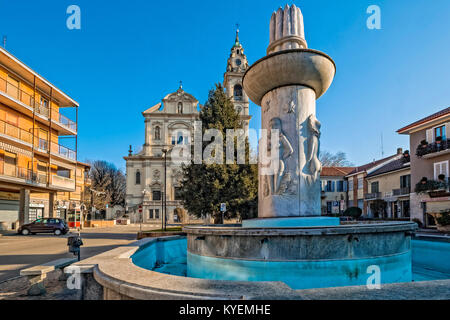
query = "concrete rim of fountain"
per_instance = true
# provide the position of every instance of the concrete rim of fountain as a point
(367, 227)
(312, 69)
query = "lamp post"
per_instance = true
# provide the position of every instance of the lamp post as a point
(164, 198)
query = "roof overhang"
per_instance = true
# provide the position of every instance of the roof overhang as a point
(26, 73)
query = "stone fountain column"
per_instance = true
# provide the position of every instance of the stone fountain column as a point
(286, 83)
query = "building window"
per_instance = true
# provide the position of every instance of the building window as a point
(350, 185)
(180, 107)
(440, 132)
(156, 195)
(340, 186)
(177, 192)
(375, 187)
(138, 177)
(237, 92)
(157, 133)
(441, 168)
(360, 183)
(156, 213)
(150, 214)
(405, 181)
(329, 207)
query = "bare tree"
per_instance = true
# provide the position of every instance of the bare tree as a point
(334, 160)
(108, 186)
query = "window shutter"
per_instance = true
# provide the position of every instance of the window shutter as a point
(447, 130)
(345, 186)
(333, 186)
(430, 136)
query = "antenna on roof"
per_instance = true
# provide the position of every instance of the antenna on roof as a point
(382, 146)
(4, 42)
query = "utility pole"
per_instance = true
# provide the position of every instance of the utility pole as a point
(4, 42)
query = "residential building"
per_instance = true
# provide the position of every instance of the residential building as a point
(357, 183)
(33, 157)
(389, 187)
(430, 157)
(70, 206)
(334, 189)
(170, 124)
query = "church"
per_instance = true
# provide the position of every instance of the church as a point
(170, 123)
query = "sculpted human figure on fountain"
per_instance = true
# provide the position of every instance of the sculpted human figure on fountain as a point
(281, 176)
(314, 164)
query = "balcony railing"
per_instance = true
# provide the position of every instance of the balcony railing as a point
(429, 148)
(401, 191)
(15, 92)
(64, 121)
(372, 196)
(62, 182)
(41, 144)
(64, 151)
(41, 108)
(23, 173)
(15, 132)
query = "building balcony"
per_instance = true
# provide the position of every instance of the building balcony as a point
(401, 191)
(15, 133)
(64, 122)
(372, 196)
(62, 182)
(435, 149)
(23, 99)
(23, 175)
(63, 152)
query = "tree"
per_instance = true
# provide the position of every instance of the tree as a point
(353, 212)
(205, 186)
(334, 160)
(108, 186)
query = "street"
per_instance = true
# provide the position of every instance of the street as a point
(19, 252)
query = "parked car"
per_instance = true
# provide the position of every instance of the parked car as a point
(345, 219)
(45, 225)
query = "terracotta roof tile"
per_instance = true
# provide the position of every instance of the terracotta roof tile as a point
(426, 119)
(336, 171)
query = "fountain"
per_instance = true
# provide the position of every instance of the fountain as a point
(290, 241)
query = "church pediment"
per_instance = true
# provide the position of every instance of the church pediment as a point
(153, 109)
(180, 95)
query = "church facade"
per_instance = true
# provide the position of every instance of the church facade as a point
(167, 124)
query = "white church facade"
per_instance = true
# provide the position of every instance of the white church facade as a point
(167, 124)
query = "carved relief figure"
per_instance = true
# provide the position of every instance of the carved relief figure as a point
(281, 178)
(313, 162)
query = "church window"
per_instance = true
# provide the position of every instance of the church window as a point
(156, 195)
(238, 92)
(138, 177)
(157, 133)
(180, 107)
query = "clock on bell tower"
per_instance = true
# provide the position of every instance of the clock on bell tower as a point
(237, 64)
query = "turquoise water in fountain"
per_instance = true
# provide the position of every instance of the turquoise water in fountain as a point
(430, 261)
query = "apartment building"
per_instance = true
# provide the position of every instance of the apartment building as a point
(38, 142)
(334, 189)
(389, 187)
(430, 157)
(357, 182)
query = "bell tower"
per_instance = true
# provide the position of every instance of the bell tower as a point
(237, 64)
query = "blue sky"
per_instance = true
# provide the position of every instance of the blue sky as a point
(129, 54)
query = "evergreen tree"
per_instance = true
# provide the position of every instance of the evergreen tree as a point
(206, 186)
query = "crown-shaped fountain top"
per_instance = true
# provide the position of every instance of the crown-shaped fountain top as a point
(287, 30)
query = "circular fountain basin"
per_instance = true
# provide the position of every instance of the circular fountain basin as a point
(302, 257)
(291, 222)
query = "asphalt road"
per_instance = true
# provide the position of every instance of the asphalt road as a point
(19, 252)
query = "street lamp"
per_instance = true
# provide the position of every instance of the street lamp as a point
(164, 199)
